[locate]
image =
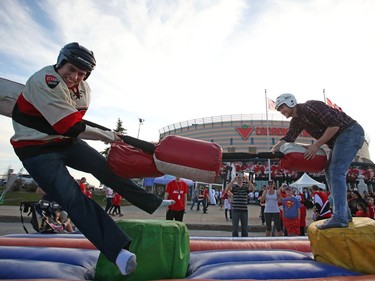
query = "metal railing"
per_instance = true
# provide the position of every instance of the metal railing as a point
(221, 119)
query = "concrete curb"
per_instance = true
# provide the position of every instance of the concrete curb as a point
(190, 226)
(220, 227)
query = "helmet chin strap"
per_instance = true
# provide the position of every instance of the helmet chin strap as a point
(87, 75)
(58, 66)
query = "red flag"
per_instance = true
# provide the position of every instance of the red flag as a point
(271, 104)
(333, 105)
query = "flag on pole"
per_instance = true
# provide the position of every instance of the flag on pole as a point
(332, 104)
(271, 104)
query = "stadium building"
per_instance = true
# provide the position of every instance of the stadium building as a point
(254, 133)
(251, 133)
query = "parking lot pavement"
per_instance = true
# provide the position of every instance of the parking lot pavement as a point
(197, 222)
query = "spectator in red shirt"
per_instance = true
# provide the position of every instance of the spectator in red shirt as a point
(177, 191)
(116, 202)
(227, 204)
(283, 195)
(370, 208)
(361, 210)
(82, 184)
(302, 218)
(206, 194)
(88, 192)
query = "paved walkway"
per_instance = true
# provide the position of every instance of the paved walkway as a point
(195, 220)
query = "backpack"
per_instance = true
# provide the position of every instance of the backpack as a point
(43, 218)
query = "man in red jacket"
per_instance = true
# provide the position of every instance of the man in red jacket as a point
(321, 204)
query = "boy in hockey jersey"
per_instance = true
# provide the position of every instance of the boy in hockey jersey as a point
(48, 138)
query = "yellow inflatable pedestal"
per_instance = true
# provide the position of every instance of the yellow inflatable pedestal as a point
(352, 248)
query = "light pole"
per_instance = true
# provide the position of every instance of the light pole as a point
(139, 127)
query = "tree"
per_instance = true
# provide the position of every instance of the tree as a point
(120, 130)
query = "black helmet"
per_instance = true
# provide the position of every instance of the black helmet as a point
(77, 55)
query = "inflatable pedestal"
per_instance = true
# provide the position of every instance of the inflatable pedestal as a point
(161, 247)
(352, 248)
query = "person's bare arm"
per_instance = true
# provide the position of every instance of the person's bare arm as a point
(230, 185)
(312, 149)
(166, 195)
(277, 146)
(251, 186)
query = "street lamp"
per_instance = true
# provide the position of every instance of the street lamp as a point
(139, 127)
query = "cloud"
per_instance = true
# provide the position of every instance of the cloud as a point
(169, 61)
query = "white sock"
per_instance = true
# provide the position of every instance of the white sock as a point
(126, 262)
(167, 203)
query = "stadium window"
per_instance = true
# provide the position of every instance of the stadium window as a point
(252, 141)
(231, 141)
(273, 140)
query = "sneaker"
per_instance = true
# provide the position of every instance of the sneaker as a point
(126, 262)
(330, 223)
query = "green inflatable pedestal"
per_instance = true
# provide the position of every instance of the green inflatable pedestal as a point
(162, 248)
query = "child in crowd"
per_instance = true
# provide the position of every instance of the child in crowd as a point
(370, 208)
(291, 213)
(361, 210)
(227, 195)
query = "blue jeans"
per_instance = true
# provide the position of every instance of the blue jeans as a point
(50, 172)
(237, 216)
(195, 200)
(205, 205)
(344, 150)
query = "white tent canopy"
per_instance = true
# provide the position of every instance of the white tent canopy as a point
(307, 181)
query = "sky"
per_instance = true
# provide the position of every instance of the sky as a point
(167, 61)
